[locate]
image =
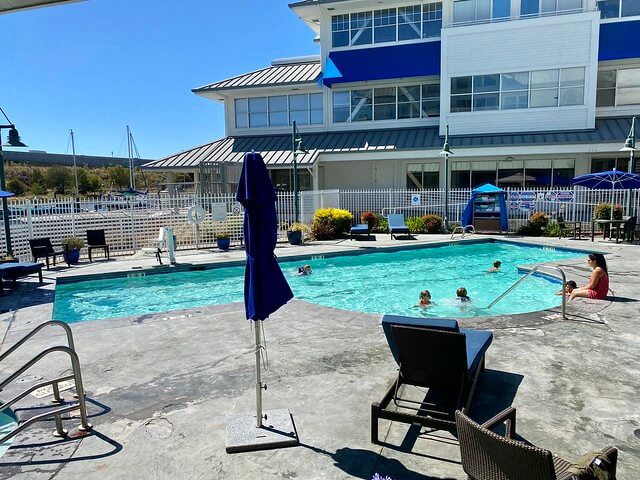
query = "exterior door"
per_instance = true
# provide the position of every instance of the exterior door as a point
(384, 174)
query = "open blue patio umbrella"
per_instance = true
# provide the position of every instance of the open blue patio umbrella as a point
(608, 180)
(265, 287)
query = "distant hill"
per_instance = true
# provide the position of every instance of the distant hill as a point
(49, 159)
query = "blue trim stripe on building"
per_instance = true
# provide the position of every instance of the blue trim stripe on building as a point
(619, 40)
(382, 63)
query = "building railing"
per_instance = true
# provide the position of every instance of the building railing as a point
(131, 224)
(514, 17)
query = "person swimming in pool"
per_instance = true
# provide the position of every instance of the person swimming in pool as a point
(305, 270)
(461, 295)
(496, 267)
(569, 287)
(425, 299)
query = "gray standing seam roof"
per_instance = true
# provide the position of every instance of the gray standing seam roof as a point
(276, 149)
(295, 73)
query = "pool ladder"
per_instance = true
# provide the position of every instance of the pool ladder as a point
(76, 376)
(529, 273)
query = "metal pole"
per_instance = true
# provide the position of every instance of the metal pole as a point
(446, 192)
(75, 166)
(296, 213)
(256, 327)
(132, 178)
(5, 203)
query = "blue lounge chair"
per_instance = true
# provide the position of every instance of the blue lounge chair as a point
(360, 229)
(397, 226)
(434, 354)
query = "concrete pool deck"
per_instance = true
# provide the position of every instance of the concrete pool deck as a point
(159, 385)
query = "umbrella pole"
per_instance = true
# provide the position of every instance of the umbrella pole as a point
(258, 377)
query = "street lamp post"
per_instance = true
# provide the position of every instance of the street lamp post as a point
(630, 146)
(298, 149)
(446, 151)
(13, 140)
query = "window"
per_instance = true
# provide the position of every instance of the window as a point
(460, 174)
(387, 103)
(617, 8)
(605, 164)
(423, 175)
(513, 173)
(515, 90)
(431, 19)
(534, 8)
(571, 86)
(384, 25)
(279, 110)
(618, 87)
(282, 179)
(475, 11)
(483, 172)
(461, 94)
(486, 92)
(408, 23)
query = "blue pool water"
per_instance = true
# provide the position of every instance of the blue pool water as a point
(381, 282)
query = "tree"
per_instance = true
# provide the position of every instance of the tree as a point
(59, 179)
(84, 185)
(17, 186)
(37, 189)
(36, 176)
(95, 183)
(119, 176)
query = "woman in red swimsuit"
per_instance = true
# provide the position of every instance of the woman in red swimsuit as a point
(598, 281)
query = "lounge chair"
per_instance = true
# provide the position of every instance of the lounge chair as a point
(158, 245)
(489, 456)
(14, 270)
(397, 225)
(360, 229)
(434, 354)
(97, 241)
(42, 248)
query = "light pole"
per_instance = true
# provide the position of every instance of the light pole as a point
(446, 151)
(13, 140)
(630, 146)
(298, 149)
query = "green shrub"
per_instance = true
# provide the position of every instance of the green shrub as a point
(382, 226)
(72, 243)
(369, 218)
(602, 211)
(535, 226)
(340, 220)
(17, 186)
(323, 231)
(552, 230)
(432, 223)
(415, 224)
(37, 189)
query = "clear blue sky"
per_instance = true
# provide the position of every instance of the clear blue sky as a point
(99, 65)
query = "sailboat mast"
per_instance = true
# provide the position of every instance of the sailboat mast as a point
(132, 177)
(75, 166)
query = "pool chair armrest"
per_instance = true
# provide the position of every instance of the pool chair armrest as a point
(506, 417)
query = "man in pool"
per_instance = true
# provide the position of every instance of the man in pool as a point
(461, 295)
(496, 267)
(425, 299)
(305, 270)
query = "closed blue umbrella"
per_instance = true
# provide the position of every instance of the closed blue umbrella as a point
(265, 287)
(4, 194)
(609, 180)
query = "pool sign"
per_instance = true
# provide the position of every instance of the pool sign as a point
(559, 196)
(219, 212)
(415, 200)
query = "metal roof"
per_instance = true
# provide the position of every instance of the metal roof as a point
(276, 149)
(288, 74)
(14, 5)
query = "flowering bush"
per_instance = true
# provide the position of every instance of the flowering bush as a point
(339, 219)
(382, 226)
(432, 223)
(415, 224)
(535, 226)
(369, 218)
(323, 231)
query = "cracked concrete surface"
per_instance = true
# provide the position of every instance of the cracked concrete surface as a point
(159, 385)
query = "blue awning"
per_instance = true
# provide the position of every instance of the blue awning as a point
(619, 40)
(382, 63)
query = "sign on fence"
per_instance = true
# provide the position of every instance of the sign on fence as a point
(219, 212)
(415, 200)
(559, 196)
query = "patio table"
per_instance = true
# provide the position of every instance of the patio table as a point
(607, 223)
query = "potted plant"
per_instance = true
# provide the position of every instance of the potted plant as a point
(222, 240)
(72, 246)
(296, 232)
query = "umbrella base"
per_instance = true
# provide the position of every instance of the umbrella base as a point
(277, 431)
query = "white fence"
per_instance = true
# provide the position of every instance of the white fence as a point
(133, 223)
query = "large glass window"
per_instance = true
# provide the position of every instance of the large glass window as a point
(423, 175)
(617, 8)
(472, 11)
(431, 19)
(618, 87)
(606, 93)
(384, 25)
(409, 22)
(278, 110)
(605, 164)
(513, 173)
(387, 103)
(483, 172)
(461, 94)
(515, 90)
(340, 30)
(533, 8)
(486, 92)
(361, 28)
(460, 174)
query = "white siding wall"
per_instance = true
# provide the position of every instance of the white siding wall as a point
(531, 44)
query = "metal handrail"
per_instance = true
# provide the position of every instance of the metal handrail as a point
(463, 230)
(52, 323)
(531, 272)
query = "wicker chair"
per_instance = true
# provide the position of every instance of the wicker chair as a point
(489, 456)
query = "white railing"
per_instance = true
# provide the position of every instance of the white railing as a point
(131, 224)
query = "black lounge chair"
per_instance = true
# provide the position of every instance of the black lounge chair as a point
(97, 241)
(360, 229)
(397, 225)
(42, 248)
(489, 456)
(434, 354)
(14, 270)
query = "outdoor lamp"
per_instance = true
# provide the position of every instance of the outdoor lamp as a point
(446, 151)
(13, 140)
(630, 144)
(298, 149)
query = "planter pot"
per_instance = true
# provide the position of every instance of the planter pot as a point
(223, 243)
(72, 256)
(294, 237)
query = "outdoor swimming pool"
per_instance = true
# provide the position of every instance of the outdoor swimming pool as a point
(380, 282)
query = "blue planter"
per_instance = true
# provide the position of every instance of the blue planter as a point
(72, 256)
(223, 243)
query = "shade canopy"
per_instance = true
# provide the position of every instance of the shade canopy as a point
(468, 213)
(609, 180)
(265, 287)
(4, 194)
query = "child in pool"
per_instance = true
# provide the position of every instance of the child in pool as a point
(569, 287)
(305, 270)
(461, 295)
(496, 267)
(425, 299)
